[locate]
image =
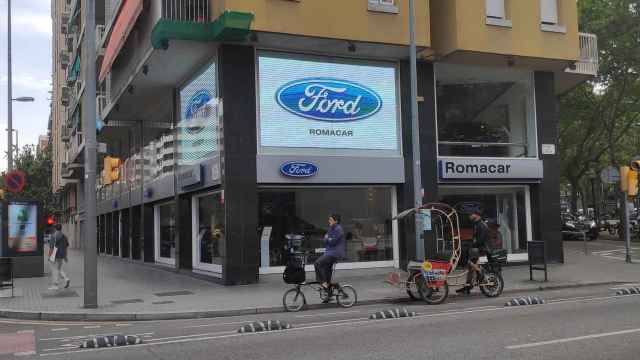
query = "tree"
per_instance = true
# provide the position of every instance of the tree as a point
(599, 119)
(37, 167)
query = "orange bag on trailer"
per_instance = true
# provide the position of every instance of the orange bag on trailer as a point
(435, 272)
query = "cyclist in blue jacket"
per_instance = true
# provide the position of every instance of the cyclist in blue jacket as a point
(334, 250)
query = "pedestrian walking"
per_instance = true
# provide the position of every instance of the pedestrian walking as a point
(58, 257)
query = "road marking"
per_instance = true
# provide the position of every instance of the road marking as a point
(59, 329)
(24, 332)
(566, 340)
(25, 353)
(69, 338)
(188, 336)
(325, 314)
(92, 327)
(122, 325)
(217, 324)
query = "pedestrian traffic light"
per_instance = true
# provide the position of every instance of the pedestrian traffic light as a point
(635, 164)
(111, 170)
(51, 221)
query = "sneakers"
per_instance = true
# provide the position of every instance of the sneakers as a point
(66, 286)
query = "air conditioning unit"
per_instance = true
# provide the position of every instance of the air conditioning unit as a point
(64, 59)
(64, 134)
(64, 19)
(64, 28)
(65, 95)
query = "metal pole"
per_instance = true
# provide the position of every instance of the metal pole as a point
(17, 144)
(90, 148)
(627, 235)
(9, 93)
(415, 135)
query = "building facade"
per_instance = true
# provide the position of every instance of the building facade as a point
(228, 125)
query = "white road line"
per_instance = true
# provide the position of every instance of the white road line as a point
(188, 336)
(59, 329)
(25, 332)
(122, 325)
(69, 338)
(325, 314)
(566, 340)
(217, 324)
(92, 327)
(25, 353)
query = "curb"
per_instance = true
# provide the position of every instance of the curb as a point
(183, 315)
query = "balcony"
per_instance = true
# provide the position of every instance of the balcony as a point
(587, 64)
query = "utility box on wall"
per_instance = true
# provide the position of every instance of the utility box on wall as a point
(22, 237)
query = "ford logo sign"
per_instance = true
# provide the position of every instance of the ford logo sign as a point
(331, 100)
(197, 107)
(298, 169)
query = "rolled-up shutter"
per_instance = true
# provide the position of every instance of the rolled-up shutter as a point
(495, 9)
(549, 11)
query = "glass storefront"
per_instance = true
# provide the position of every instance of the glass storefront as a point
(165, 233)
(366, 220)
(485, 112)
(506, 211)
(209, 232)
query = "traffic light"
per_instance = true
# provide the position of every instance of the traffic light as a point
(632, 182)
(51, 221)
(111, 170)
(624, 183)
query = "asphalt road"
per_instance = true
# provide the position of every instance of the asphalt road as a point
(583, 323)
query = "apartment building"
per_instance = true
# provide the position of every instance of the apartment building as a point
(229, 124)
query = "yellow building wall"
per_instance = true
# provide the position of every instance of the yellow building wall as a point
(335, 19)
(524, 38)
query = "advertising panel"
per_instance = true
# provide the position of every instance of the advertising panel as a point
(22, 228)
(321, 104)
(198, 126)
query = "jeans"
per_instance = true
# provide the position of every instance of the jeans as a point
(57, 272)
(324, 269)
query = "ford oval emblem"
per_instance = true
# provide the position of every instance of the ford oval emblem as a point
(298, 169)
(326, 99)
(197, 107)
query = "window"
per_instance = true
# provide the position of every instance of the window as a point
(366, 220)
(209, 232)
(388, 6)
(504, 209)
(165, 233)
(485, 112)
(549, 12)
(495, 9)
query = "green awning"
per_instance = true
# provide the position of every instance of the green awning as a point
(230, 26)
(74, 70)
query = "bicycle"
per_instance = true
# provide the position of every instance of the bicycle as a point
(294, 299)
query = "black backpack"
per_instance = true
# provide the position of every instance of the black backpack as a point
(294, 273)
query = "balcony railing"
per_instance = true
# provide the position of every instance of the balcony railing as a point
(587, 64)
(186, 10)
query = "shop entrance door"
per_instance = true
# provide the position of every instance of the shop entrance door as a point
(164, 233)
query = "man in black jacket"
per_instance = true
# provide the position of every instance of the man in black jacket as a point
(479, 246)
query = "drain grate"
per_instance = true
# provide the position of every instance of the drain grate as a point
(163, 302)
(174, 293)
(126, 301)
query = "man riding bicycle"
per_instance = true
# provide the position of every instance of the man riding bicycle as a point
(479, 246)
(334, 250)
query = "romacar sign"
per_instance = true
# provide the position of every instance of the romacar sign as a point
(451, 167)
(490, 169)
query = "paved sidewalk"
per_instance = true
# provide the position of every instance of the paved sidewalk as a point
(130, 291)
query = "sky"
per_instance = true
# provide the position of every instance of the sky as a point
(31, 24)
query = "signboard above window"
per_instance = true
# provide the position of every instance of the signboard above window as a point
(321, 106)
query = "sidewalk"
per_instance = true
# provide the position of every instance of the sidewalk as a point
(129, 291)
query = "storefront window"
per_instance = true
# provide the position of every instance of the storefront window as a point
(366, 220)
(503, 209)
(210, 232)
(485, 112)
(165, 233)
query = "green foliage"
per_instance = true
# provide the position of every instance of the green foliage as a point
(600, 120)
(37, 167)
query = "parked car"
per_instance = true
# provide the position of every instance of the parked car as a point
(574, 227)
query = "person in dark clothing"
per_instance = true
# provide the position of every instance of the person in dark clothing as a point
(61, 243)
(479, 246)
(334, 250)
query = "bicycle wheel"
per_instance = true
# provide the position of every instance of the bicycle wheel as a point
(498, 284)
(293, 300)
(347, 296)
(411, 280)
(433, 296)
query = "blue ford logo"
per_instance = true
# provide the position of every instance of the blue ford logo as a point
(331, 100)
(298, 169)
(198, 107)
